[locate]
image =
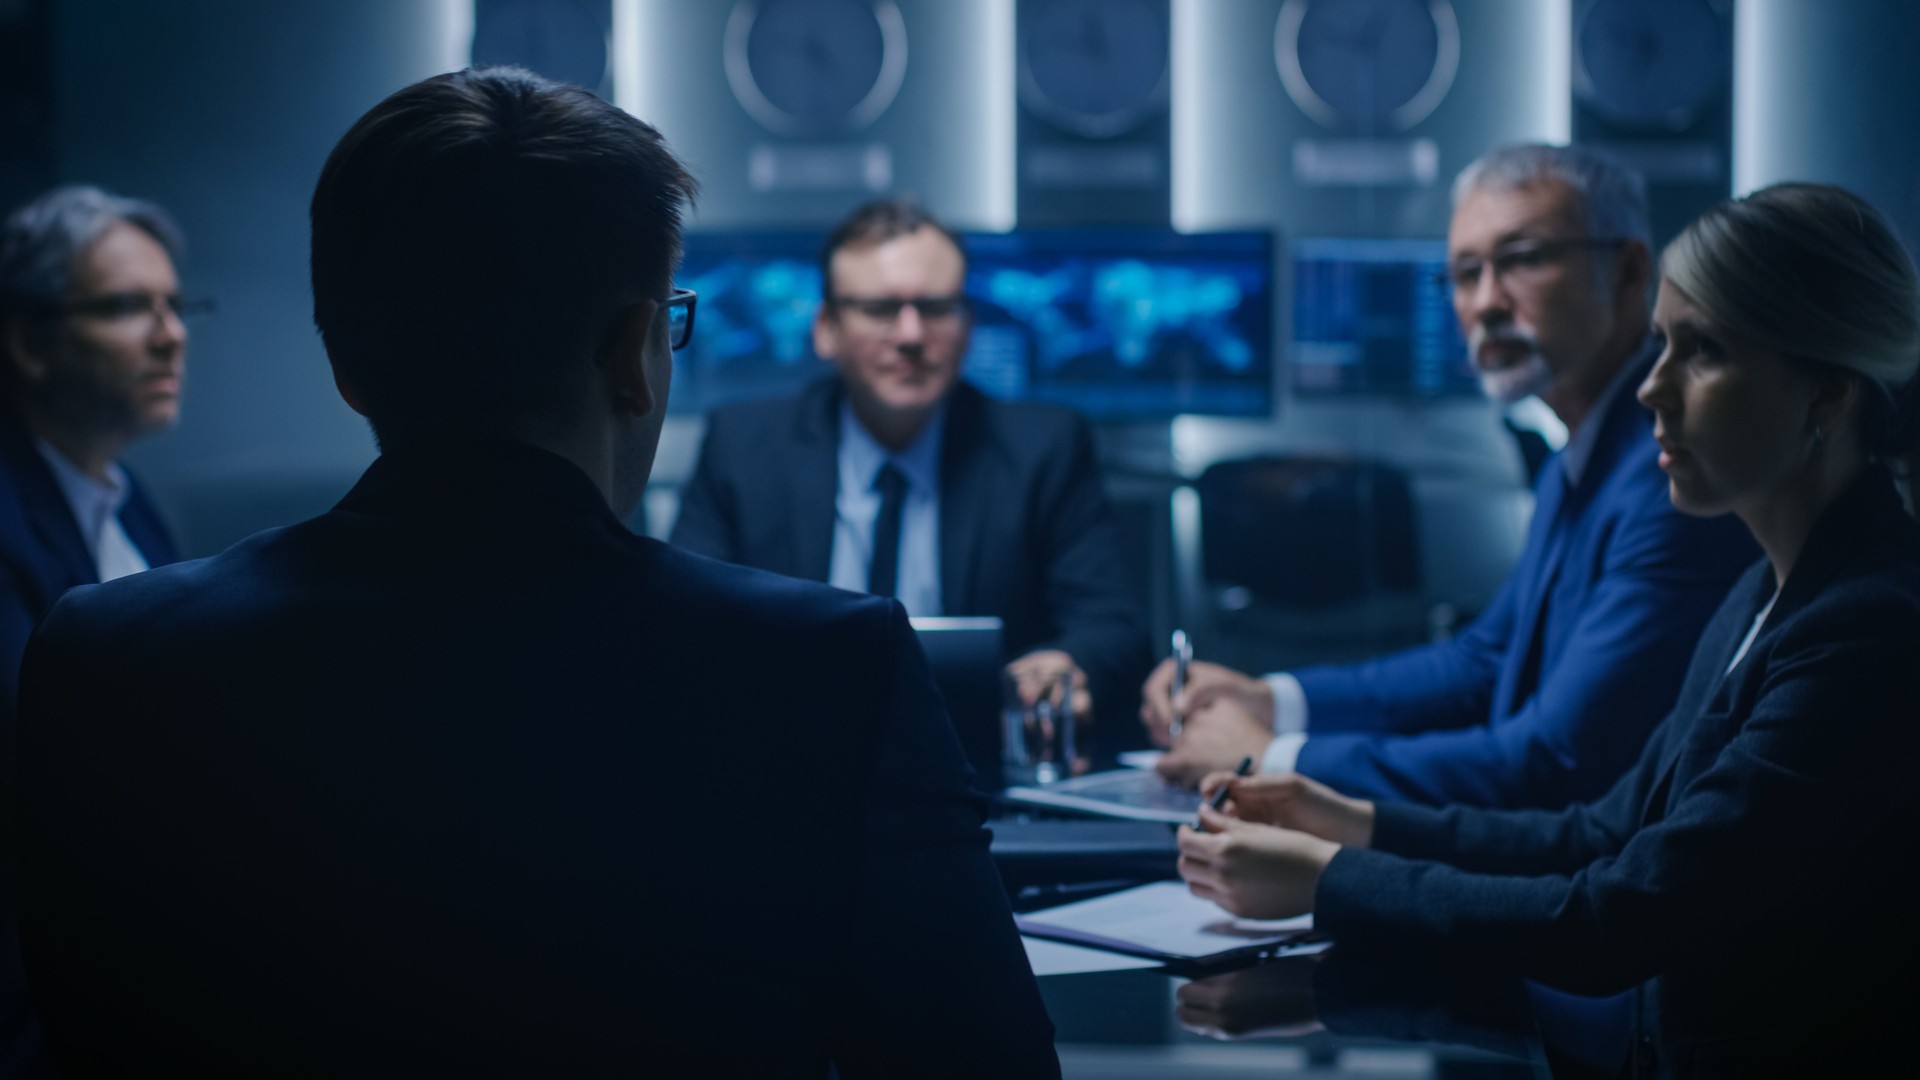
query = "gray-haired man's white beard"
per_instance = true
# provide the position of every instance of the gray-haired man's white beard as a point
(1513, 382)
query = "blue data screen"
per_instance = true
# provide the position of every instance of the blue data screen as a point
(1119, 323)
(1369, 318)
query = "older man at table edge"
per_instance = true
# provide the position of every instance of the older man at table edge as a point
(1549, 695)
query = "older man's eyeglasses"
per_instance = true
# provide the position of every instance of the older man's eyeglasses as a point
(885, 310)
(1519, 264)
(680, 307)
(125, 307)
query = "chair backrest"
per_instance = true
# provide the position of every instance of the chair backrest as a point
(1308, 531)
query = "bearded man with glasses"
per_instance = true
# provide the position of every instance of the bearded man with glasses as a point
(893, 475)
(1547, 697)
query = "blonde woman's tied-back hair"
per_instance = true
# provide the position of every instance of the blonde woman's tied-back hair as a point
(1815, 272)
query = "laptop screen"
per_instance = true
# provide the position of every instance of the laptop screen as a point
(965, 656)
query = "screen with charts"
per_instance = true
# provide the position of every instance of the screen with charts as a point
(1370, 318)
(1118, 323)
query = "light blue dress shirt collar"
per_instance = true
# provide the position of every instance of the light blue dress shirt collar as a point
(96, 506)
(857, 507)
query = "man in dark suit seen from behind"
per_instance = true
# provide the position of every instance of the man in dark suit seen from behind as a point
(93, 348)
(463, 777)
(894, 475)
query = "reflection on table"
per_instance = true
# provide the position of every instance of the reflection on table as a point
(1292, 1017)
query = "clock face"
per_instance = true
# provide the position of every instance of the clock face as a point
(1650, 63)
(1094, 67)
(815, 66)
(1371, 65)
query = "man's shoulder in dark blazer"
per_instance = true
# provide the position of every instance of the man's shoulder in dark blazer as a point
(464, 774)
(1025, 529)
(42, 553)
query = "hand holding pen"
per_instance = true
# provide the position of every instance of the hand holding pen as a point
(1219, 797)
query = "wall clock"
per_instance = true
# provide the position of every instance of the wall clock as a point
(815, 67)
(1096, 68)
(1649, 64)
(1371, 65)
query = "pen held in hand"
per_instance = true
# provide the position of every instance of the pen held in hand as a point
(1182, 657)
(1219, 798)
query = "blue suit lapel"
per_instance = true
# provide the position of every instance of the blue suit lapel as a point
(62, 557)
(966, 499)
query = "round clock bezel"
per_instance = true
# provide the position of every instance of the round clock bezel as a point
(1097, 125)
(1446, 65)
(1679, 118)
(746, 90)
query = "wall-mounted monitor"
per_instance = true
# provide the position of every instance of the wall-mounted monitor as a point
(1371, 318)
(1122, 324)
(1125, 323)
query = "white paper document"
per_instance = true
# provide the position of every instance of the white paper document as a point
(1135, 794)
(1058, 958)
(1165, 921)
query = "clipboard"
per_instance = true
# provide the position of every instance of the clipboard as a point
(1164, 921)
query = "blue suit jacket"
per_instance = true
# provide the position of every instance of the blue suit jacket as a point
(1549, 695)
(462, 777)
(1749, 874)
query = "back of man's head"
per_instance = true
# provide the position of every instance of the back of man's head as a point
(477, 237)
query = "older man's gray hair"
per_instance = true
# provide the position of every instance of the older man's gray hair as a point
(1613, 197)
(41, 242)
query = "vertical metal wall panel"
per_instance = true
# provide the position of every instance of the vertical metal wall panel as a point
(945, 138)
(1825, 91)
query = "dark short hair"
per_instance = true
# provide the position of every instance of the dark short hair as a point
(477, 235)
(876, 223)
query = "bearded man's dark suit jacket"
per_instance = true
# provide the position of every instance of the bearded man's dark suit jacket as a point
(1750, 876)
(462, 777)
(1024, 529)
(42, 555)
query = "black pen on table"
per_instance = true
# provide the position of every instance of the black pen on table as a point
(1219, 798)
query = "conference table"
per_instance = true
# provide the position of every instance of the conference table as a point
(1340, 1013)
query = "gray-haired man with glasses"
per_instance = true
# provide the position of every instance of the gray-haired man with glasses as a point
(1547, 697)
(93, 349)
(93, 346)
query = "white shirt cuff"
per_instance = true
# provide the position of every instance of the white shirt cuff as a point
(1283, 752)
(1289, 704)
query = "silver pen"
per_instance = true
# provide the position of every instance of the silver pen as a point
(1182, 657)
